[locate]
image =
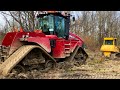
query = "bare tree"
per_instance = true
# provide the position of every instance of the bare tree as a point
(92, 26)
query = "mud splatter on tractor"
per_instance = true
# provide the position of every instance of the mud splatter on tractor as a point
(44, 47)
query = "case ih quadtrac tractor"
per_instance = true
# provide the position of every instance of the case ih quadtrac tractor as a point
(44, 47)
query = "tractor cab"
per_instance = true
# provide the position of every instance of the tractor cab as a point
(110, 41)
(54, 23)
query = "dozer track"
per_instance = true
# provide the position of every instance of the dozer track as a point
(17, 56)
(115, 56)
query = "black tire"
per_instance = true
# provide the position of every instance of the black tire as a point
(19, 69)
(50, 64)
(80, 58)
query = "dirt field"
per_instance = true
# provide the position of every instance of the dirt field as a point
(96, 67)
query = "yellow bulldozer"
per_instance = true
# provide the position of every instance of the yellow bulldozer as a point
(110, 48)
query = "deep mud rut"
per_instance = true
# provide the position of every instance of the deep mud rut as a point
(96, 67)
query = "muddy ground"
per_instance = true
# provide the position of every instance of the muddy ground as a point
(96, 67)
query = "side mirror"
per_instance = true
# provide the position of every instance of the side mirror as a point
(73, 19)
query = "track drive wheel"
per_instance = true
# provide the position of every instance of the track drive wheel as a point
(50, 64)
(80, 59)
(19, 68)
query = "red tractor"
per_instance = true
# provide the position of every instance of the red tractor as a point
(46, 46)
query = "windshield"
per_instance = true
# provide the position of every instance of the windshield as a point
(60, 26)
(108, 42)
(53, 23)
(46, 23)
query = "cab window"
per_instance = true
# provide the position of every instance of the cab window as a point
(108, 42)
(59, 26)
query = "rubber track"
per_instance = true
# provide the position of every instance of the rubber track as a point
(71, 57)
(16, 57)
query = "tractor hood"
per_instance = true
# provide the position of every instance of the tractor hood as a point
(111, 48)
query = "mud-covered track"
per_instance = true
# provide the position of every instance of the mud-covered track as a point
(17, 56)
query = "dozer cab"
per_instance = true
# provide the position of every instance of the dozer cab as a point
(110, 48)
(44, 47)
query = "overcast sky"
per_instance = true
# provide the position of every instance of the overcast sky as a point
(2, 20)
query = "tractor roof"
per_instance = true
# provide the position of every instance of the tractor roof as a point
(109, 38)
(54, 13)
